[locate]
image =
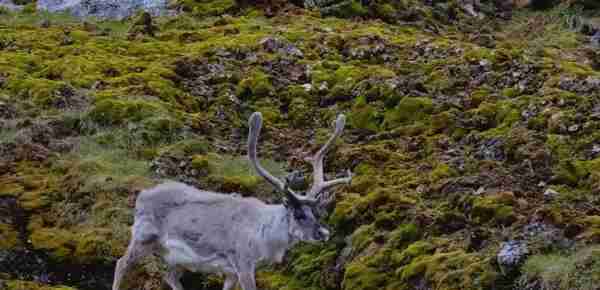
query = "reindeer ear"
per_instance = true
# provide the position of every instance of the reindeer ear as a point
(295, 207)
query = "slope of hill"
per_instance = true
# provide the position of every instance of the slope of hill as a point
(474, 138)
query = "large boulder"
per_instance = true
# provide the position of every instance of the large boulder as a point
(104, 9)
(114, 9)
(10, 5)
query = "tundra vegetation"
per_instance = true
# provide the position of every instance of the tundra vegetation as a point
(468, 136)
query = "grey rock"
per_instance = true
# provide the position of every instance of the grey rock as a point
(595, 150)
(512, 253)
(550, 194)
(307, 87)
(595, 39)
(492, 149)
(7, 111)
(573, 128)
(103, 9)
(10, 5)
(480, 191)
(276, 45)
(115, 9)
(471, 7)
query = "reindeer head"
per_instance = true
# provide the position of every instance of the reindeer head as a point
(303, 210)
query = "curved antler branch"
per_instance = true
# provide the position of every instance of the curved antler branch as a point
(255, 124)
(319, 183)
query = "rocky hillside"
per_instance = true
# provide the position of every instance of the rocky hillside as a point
(474, 136)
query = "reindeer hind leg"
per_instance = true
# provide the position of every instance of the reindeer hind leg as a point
(230, 281)
(173, 277)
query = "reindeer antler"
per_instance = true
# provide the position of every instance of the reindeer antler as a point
(319, 184)
(255, 124)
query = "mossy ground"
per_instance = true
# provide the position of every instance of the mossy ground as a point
(457, 127)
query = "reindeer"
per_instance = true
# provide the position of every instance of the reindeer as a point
(210, 232)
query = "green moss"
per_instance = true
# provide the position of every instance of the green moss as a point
(29, 8)
(497, 208)
(364, 116)
(362, 237)
(118, 111)
(295, 91)
(560, 146)
(386, 11)
(200, 162)
(382, 206)
(300, 113)
(592, 228)
(240, 184)
(361, 277)
(10, 237)
(365, 178)
(10, 187)
(403, 235)
(187, 147)
(275, 280)
(453, 270)
(34, 199)
(59, 243)
(308, 262)
(586, 168)
(206, 7)
(41, 91)
(348, 73)
(510, 92)
(102, 165)
(576, 69)
(579, 270)
(407, 111)
(477, 53)
(442, 171)
(346, 9)
(97, 245)
(256, 85)
(234, 174)
(160, 128)
(442, 122)
(25, 285)
(78, 70)
(412, 251)
(570, 171)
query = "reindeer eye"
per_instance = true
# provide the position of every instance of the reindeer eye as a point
(299, 215)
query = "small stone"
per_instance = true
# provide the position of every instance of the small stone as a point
(307, 87)
(512, 253)
(550, 193)
(45, 23)
(595, 149)
(595, 39)
(480, 191)
(323, 86)
(593, 82)
(573, 128)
